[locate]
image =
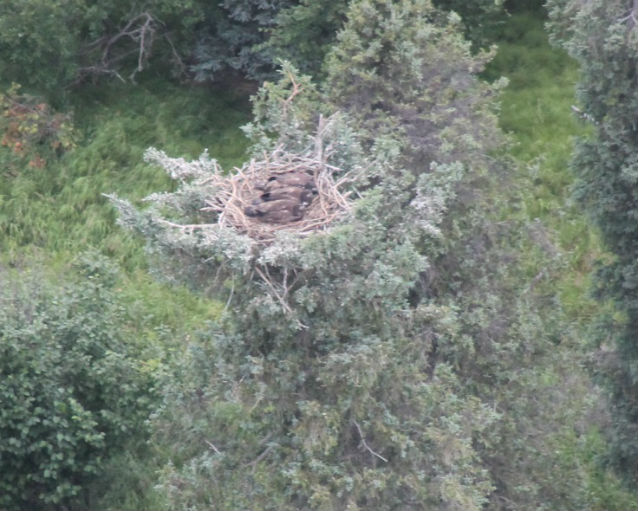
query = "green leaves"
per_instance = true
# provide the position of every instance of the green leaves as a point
(51, 44)
(71, 392)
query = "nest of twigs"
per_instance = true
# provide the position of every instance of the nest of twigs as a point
(238, 196)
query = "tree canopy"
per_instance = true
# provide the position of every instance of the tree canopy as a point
(376, 362)
(603, 36)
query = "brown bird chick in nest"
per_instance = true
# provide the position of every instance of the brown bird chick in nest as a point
(287, 179)
(276, 211)
(284, 199)
(303, 195)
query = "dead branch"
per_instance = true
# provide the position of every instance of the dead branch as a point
(141, 30)
(365, 444)
(296, 89)
(268, 281)
(212, 446)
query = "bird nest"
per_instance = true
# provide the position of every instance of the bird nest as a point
(281, 192)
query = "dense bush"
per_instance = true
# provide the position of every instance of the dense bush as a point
(73, 392)
(603, 37)
(49, 44)
(32, 130)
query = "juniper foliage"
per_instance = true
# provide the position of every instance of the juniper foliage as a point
(402, 70)
(603, 37)
(317, 392)
(396, 359)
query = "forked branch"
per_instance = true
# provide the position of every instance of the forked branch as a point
(365, 444)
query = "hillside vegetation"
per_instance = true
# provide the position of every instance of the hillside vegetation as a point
(441, 361)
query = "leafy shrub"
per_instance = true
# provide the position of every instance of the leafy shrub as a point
(72, 391)
(50, 44)
(31, 129)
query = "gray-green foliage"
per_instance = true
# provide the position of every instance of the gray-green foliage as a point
(319, 391)
(250, 36)
(401, 70)
(71, 389)
(414, 81)
(403, 357)
(603, 37)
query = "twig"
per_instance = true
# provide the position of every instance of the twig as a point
(280, 298)
(212, 446)
(274, 291)
(186, 226)
(230, 298)
(296, 89)
(365, 444)
(254, 463)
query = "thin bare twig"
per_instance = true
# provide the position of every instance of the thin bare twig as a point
(296, 89)
(254, 463)
(212, 446)
(365, 444)
(230, 297)
(272, 288)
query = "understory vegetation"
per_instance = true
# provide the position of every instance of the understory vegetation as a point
(459, 337)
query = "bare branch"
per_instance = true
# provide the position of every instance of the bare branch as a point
(365, 444)
(296, 89)
(254, 463)
(212, 446)
(230, 296)
(141, 31)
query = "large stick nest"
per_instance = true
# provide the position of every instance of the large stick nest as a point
(241, 198)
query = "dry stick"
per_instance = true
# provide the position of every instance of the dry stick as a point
(259, 458)
(143, 50)
(230, 297)
(185, 226)
(281, 300)
(365, 444)
(272, 288)
(296, 89)
(212, 446)
(176, 55)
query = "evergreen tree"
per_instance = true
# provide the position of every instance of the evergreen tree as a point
(403, 70)
(232, 36)
(480, 18)
(603, 37)
(319, 392)
(401, 358)
(304, 33)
